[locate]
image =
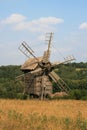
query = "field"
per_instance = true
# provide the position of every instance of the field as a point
(43, 115)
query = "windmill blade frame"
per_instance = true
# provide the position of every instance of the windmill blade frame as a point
(26, 50)
(46, 55)
(60, 83)
(66, 60)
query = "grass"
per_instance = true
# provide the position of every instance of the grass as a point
(43, 115)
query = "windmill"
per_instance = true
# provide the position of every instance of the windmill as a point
(39, 71)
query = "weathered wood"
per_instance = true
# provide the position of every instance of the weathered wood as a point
(38, 71)
(35, 84)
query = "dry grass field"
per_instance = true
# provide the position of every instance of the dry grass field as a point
(43, 115)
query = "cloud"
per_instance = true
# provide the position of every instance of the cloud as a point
(14, 18)
(39, 25)
(83, 25)
(42, 24)
(48, 20)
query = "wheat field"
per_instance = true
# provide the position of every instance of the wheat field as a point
(43, 115)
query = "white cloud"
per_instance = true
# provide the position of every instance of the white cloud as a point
(14, 18)
(83, 26)
(39, 25)
(42, 24)
(48, 20)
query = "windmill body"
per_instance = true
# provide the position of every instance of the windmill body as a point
(39, 72)
(37, 82)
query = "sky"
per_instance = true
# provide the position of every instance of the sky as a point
(30, 20)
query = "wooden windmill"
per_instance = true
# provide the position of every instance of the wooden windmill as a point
(39, 71)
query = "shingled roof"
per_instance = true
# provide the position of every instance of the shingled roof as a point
(31, 64)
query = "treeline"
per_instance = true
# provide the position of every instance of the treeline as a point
(9, 88)
(74, 74)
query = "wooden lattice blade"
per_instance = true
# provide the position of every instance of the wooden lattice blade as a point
(19, 78)
(46, 55)
(60, 83)
(56, 64)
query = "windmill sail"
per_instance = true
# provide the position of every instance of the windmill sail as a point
(20, 77)
(66, 60)
(46, 55)
(25, 49)
(61, 84)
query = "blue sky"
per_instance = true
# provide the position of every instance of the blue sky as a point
(29, 20)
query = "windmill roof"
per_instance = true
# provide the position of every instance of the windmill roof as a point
(31, 64)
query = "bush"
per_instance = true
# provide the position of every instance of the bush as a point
(78, 94)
